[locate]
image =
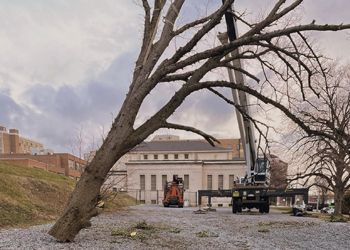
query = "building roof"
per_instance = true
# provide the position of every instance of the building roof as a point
(180, 145)
(182, 162)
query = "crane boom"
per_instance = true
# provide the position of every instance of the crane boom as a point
(256, 167)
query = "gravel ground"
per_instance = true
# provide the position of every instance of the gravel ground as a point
(173, 228)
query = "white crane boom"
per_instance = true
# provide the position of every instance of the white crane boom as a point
(256, 167)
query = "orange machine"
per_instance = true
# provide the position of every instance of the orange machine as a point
(174, 193)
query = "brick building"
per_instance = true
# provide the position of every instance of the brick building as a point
(12, 142)
(61, 163)
(278, 172)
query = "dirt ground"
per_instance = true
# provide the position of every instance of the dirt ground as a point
(155, 227)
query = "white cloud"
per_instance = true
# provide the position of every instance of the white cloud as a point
(66, 62)
(64, 41)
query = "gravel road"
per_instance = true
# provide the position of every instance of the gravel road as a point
(155, 227)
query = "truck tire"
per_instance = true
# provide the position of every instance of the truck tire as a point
(234, 206)
(239, 206)
(261, 208)
(267, 207)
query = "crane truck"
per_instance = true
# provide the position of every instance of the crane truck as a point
(253, 192)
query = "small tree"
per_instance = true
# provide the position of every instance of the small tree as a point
(272, 42)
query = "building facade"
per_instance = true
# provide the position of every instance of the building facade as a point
(278, 172)
(144, 171)
(12, 142)
(60, 163)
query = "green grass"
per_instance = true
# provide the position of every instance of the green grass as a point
(31, 196)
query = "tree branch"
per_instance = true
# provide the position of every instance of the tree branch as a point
(210, 139)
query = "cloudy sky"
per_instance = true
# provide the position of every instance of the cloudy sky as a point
(65, 65)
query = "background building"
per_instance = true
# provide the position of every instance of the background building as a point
(145, 169)
(61, 163)
(12, 142)
(278, 172)
(22, 151)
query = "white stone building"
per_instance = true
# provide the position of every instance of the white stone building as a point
(144, 170)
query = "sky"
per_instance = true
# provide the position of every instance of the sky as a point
(65, 66)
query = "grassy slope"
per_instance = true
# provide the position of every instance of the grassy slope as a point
(31, 196)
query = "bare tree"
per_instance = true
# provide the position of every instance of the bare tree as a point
(279, 48)
(327, 157)
(322, 189)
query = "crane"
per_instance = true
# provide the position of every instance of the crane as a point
(251, 193)
(255, 191)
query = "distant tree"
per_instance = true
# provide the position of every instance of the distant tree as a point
(327, 156)
(277, 46)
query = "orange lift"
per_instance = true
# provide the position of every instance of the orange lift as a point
(174, 193)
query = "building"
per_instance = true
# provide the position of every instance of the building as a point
(12, 142)
(235, 145)
(144, 170)
(148, 166)
(278, 172)
(61, 163)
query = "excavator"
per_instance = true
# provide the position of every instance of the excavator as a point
(174, 193)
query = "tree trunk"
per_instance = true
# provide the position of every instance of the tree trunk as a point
(338, 201)
(81, 206)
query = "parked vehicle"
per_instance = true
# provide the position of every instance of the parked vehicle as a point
(299, 209)
(327, 210)
(174, 193)
(309, 207)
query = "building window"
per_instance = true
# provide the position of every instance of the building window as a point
(231, 179)
(164, 181)
(210, 182)
(153, 182)
(142, 182)
(155, 157)
(71, 164)
(166, 157)
(145, 157)
(176, 156)
(220, 182)
(186, 156)
(186, 181)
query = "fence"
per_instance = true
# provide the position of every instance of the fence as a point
(157, 196)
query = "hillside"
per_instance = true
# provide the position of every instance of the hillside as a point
(31, 196)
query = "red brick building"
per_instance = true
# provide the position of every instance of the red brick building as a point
(61, 163)
(278, 171)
